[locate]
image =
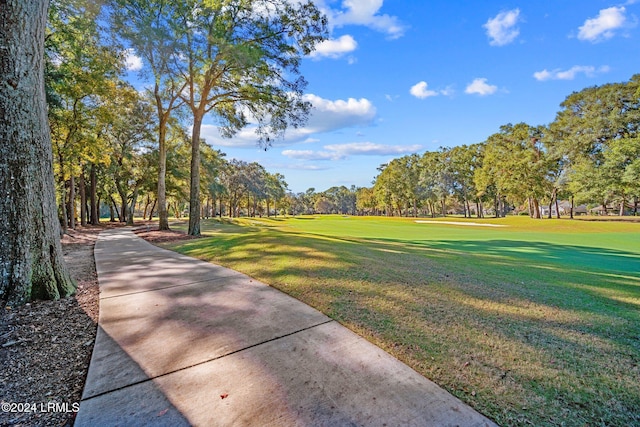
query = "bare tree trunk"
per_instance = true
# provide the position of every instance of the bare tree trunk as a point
(132, 207)
(63, 205)
(83, 198)
(163, 118)
(555, 197)
(115, 208)
(71, 209)
(152, 208)
(124, 214)
(93, 196)
(146, 207)
(572, 206)
(194, 194)
(31, 262)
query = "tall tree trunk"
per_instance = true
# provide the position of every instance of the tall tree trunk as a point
(31, 262)
(83, 198)
(93, 196)
(572, 207)
(163, 212)
(64, 220)
(555, 198)
(163, 119)
(132, 207)
(114, 207)
(71, 208)
(124, 211)
(622, 205)
(146, 207)
(63, 204)
(72, 202)
(194, 194)
(152, 209)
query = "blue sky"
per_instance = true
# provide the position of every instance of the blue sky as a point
(401, 77)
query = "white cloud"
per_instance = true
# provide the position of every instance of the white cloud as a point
(132, 61)
(310, 155)
(299, 166)
(342, 151)
(366, 12)
(569, 74)
(335, 48)
(448, 91)
(330, 115)
(480, 87)
(326, 116)
(502, 29)
(372, 149)
(602, 27)
(419, 90)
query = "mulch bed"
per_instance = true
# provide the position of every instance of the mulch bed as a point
(46, 346)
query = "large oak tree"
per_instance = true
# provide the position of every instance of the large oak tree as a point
(241, 64)
(31, 262)
(237, 60)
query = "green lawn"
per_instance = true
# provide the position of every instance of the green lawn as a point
(535, 322)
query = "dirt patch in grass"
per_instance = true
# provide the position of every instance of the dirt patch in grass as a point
(153, 235)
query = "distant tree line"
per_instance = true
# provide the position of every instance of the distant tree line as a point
(589, 154)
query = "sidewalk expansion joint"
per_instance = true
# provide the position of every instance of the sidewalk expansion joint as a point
(144, 291)
(209, 360)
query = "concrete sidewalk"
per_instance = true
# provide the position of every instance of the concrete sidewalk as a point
(184, 342)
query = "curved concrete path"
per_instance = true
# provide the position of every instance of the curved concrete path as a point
(184, 342)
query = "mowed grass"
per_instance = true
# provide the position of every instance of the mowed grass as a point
(533, 323)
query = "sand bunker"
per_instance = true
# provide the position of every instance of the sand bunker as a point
(477, 224)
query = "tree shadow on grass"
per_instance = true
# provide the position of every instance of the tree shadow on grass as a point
(441, 298)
